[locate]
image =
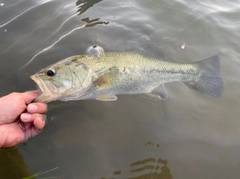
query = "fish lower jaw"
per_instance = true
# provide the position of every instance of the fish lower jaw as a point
(46, 98)
(46, 95)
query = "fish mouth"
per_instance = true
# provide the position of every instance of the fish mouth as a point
(45, 93)
(38, 83)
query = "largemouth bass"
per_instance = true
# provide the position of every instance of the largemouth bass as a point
(104, 75)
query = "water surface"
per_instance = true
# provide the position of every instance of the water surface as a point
(189, 135)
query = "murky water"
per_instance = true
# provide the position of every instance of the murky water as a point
(187, 136)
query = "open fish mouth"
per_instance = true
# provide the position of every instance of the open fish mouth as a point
(48, 91)
(43, 90)
(38, 83)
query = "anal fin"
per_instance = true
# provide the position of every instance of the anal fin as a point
(160, 92)
(107, 98)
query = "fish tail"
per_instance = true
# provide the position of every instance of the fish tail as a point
(209, 82)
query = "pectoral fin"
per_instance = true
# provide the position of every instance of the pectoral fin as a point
(107, 98)
(160, 92)
(107, 80)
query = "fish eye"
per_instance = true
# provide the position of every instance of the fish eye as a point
(50, 72)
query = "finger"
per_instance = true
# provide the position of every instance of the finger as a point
(37, 119)
(37, 108)
(33, 128)
(29, 96)
(39, 123)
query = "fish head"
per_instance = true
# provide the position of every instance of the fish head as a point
(66, 80)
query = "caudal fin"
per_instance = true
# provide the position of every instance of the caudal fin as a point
(210, 82)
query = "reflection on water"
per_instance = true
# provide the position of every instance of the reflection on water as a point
(12, 164)
(149, 168)
(84, 5)
(93, 22)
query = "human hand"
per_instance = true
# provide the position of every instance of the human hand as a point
(20, 119)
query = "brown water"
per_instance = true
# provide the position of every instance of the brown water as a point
(189, 135)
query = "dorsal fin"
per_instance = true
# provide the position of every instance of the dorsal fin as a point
(149, 50)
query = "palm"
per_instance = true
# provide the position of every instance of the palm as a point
(13, 134)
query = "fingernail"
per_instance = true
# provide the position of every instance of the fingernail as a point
(32, 107)
(40, 123)
(26, 116)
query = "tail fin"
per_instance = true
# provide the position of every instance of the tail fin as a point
(210, 82)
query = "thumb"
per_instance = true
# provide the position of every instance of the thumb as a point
(29, 96)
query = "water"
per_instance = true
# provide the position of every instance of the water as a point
(187, 136)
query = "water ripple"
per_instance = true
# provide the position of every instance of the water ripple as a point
(55, 42)
(72, 14)
(23, 12)
(90, 23)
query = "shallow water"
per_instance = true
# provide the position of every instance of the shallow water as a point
(189, 135)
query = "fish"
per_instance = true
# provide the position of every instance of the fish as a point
(104, 75)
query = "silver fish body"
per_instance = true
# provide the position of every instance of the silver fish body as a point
(104, 76)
